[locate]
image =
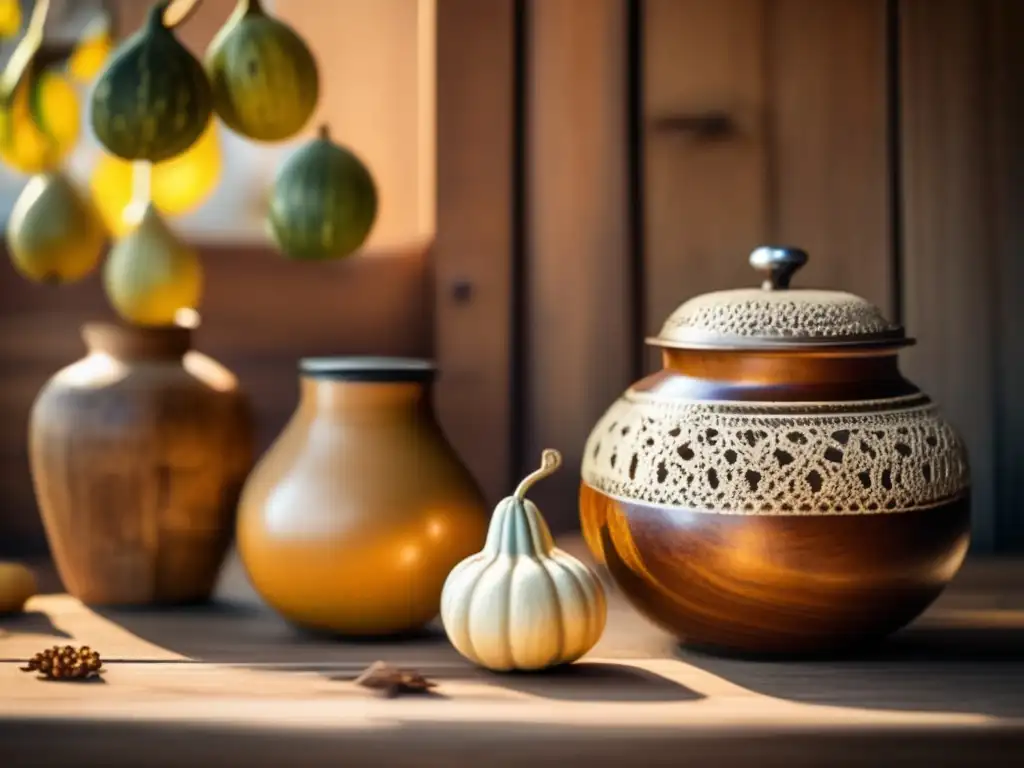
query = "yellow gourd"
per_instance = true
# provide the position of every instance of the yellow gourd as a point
(177, 186)
(521, 603)
(10, 18)
(54, 234)
(17, 585)
(92, 50)
(150, 275)
(43, 124)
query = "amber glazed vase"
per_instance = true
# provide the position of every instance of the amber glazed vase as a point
(355, 516)
(779, 487)
(138, 453)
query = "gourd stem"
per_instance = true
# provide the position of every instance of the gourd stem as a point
(253, 6)
(142, 173)
(157, 12)
(550, 460)
(175, 12)
(324, 132)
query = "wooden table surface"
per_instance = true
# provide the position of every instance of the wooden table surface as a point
(230, 684)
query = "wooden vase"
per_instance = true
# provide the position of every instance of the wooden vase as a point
(354, 518)
(138, 454)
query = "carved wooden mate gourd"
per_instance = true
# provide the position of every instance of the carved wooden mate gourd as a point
(521, 603)
(778, 487)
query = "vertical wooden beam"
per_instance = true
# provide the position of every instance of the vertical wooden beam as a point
(826, 72)
(706, 196)
(473, 252)
(949, 261)
(579, 337)
(1006, 65)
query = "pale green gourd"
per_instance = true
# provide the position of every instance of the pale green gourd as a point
(522, 603)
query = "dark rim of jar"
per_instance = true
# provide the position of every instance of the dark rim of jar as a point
(368, 369)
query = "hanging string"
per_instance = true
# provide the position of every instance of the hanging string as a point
(26, 49)
(142, 189)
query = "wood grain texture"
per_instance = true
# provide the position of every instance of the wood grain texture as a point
(260, 314)
(827, 98)
(1006, 25)
(706, 197)
(769, 585)
(946, 692)
(578, 305)
(949, 251)
(804, 162)
(473, 252)
(138, 455)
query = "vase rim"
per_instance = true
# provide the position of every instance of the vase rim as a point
(368, 368)
(129, 340)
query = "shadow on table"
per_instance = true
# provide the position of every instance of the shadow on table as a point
(226, 633)
(593, 681)
(30, 623)
(588, 681)
(976, 670)
(441, 743)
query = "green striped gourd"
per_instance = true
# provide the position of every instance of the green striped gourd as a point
(153, 100)
(54, 234)
(264, 78)
(323, 203)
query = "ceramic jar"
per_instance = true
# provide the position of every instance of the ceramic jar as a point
(354, 517)
(138, 454)
(779, 487)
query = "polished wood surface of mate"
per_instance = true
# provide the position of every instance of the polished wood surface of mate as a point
(777, 584)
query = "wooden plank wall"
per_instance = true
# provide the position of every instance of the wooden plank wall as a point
(579, 344)
(476, 243)
(963, 170)
(1006, 134)
(804, 85)
(913, 202)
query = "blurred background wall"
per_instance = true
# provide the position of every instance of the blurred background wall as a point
(558, 175)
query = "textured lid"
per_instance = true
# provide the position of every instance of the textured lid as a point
(777, 317)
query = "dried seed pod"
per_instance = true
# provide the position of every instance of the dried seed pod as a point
(67, 663)
(391, 681)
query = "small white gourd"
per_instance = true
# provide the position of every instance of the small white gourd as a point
(521, 603)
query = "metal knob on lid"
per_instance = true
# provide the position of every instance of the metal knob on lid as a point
(780, 262)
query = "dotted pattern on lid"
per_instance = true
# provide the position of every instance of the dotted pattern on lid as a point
(785, 315)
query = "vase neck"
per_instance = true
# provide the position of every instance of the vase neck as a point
(125, 342)
(327, 395)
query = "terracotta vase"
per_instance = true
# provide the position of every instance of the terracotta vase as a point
(138, 454)
(779, 487)
(355, 516)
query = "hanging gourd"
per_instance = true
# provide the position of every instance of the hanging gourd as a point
(264, 77)
(151, 275)
(521, 603)
(39, 111)
(42, 122)
(323, 203)
(54, 234)
(153, 100)
(179, 185)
